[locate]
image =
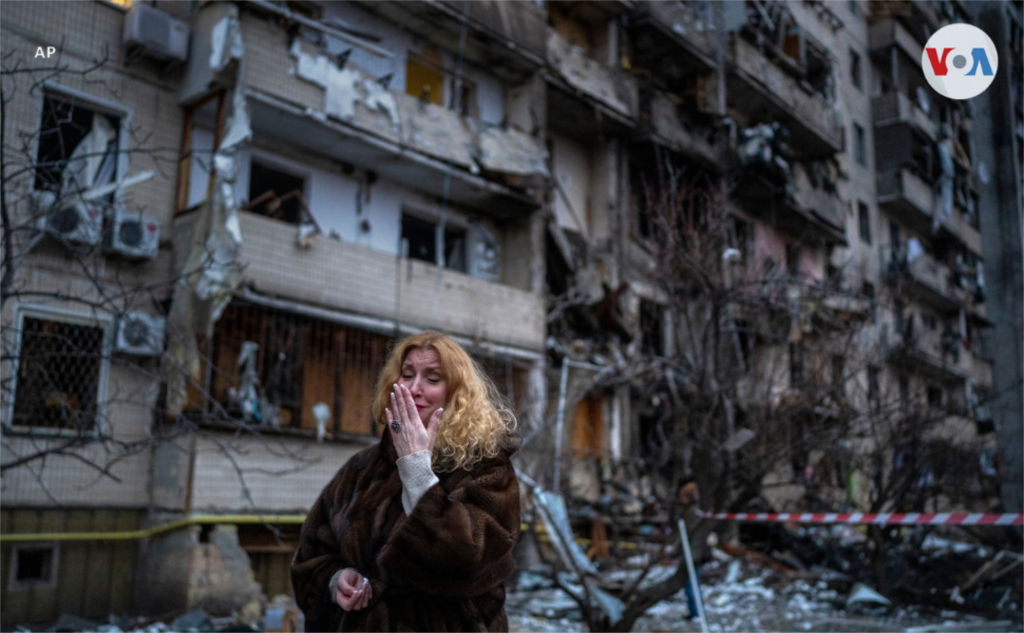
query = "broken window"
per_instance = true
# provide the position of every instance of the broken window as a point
(935, 397)
(424, 76)
(276, 194)
(864, 216)
(855, 70)
(420, 241)
(894, 239)
(301, 363)
(588, 428)
(78, 147)
(860, 144)
(34, 566)
(59, 366)
(427, 79)
(652, 328)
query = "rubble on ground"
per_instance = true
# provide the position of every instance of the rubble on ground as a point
(759, 592)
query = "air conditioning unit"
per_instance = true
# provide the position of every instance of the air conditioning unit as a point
(80, 223)
(133, 235)
(140, 334)
(159, 34)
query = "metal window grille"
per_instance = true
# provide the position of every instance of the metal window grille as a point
(303, 361)
(58, 375)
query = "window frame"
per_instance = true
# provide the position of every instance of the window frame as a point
(62, 315)
(13, 584)
(455, 221)
(864, 221)
(99, 106)
(860, 145)
(857, 70)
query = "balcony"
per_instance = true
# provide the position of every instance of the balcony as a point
(927, 281)
(332, 275)
(760, 87)
(668, 128)
(932, 354)
(889, 32)
(298, 97)
(919, 16)
(666, 28)
(506, 38)
(588, 96)
(795, 206)
(905, 195)
(896, 107)
(594, 10)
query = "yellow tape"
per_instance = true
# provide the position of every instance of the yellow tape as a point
(206, 519)
(157, 529)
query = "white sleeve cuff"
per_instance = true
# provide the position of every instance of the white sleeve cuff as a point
(417, 477)
(333, 585)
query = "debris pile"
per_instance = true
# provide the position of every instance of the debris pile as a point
(787, 577)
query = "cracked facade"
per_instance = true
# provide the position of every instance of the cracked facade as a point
(481, 168)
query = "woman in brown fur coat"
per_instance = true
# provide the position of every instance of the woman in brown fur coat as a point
(416, 533)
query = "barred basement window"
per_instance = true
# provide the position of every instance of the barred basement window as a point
(58, 375)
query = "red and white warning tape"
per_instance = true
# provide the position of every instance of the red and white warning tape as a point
(911, 518)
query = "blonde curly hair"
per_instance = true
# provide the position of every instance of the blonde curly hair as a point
(476, 417)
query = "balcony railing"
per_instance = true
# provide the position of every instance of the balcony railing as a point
(689, 25)
(927, 280)
(815, 125)
(608, 86)
(358, 280)
(889, 32)
(897, 107)
(671, 130)
(904, 193)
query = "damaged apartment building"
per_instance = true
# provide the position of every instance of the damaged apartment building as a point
(236, 210)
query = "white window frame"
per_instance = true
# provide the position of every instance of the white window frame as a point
(98, 106)
(64, 315)
(12, 579)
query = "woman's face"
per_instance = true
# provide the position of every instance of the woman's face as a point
(422, 376)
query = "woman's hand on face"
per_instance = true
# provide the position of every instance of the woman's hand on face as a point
(413, 436)
(353, 591)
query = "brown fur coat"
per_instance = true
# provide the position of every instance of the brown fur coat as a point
(440, 569)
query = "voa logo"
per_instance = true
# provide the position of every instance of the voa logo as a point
(959, 61)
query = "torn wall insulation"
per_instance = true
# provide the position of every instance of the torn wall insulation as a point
(211, 273)
(360, 100)
(617, 91)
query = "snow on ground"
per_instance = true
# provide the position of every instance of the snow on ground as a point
(740, 596)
